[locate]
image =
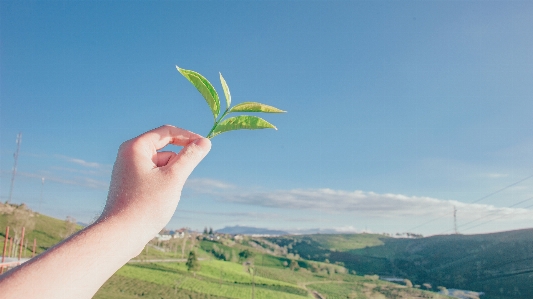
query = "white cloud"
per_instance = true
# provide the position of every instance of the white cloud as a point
(78, 181)
(387, 205)
(494, 175)
(249, 216)
(335, 201)
(93, 172)
(206, 185)
(84, 163)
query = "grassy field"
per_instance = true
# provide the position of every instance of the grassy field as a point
(221, 279)
(347, 242)
(216, 278)
(47, 231)
(224, 270)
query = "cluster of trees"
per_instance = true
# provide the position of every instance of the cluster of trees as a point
(223, 254)
(246, 254)
(411, 235)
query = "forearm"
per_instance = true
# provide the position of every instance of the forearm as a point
(144, 193)
(78, 266)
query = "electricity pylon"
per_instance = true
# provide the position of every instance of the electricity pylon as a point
(16, 156)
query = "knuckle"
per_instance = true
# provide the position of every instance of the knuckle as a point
(130, 146)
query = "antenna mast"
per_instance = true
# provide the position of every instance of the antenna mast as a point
(455, 220)
(16, 156)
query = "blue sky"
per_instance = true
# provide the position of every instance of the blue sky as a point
(397, 111)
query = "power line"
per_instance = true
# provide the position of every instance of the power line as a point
(435, 219)
(477, 200)
(492, 213)
(493, 219)
(498, 191)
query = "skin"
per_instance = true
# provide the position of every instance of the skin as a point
(145, 190)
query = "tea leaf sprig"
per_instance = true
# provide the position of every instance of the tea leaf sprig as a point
(240, 122)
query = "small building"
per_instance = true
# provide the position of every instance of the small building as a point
(180, 233)
(164, 237)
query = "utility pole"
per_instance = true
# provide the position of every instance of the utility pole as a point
(455, 220)
(16, 156)
(21, 242)
(5, 247)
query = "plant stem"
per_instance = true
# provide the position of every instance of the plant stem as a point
(216, 123)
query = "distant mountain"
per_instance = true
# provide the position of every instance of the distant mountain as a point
(331, 231)
(248, 230)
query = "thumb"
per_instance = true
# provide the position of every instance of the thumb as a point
(182, 164)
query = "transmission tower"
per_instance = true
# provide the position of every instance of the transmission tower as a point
(455, 220)
(16, 156)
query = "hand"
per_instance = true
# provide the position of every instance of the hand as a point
(146, 185)
(145, 191)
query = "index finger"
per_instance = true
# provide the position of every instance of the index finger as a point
(167, 134)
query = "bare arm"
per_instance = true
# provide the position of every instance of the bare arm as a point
(144, 193)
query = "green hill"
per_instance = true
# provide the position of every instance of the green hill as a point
(224, 274)
(46, 230)
(499, 264)
(226, 279)
(225, 268)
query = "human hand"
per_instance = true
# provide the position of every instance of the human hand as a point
(146, 185)
(144, 193)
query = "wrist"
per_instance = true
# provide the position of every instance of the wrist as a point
(127, 234)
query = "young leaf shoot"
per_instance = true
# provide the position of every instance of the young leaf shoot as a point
(240, 122)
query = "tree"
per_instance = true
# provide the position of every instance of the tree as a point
(192, 262)
(205, 230)
(210, 230)
(246, 254)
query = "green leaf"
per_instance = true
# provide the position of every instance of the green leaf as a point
(255, 107)
(226, 90)
(205, 88)
(241, 122)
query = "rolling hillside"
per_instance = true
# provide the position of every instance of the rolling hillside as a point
(225, 270)
(499, 264)
(46, 230)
